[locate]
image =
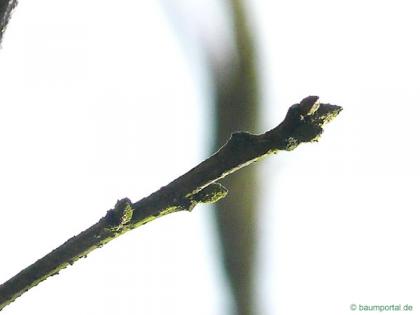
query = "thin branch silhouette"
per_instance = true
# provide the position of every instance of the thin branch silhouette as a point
(303, 123)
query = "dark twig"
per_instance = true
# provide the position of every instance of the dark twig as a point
(303, 123)
(6, 8)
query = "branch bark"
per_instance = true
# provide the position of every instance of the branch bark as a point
(6, 8)
(303, 123)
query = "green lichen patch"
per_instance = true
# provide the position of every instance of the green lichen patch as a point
(120, 217)
(210, 194)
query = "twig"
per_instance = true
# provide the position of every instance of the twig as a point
(303, 123)
(6, 8)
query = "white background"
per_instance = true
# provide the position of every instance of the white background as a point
(101, 100)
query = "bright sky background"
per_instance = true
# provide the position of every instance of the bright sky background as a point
(102, 101)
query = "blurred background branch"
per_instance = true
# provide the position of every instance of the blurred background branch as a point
(236, 89)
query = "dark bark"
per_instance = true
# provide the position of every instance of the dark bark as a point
(303, 123)
(6, 8)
